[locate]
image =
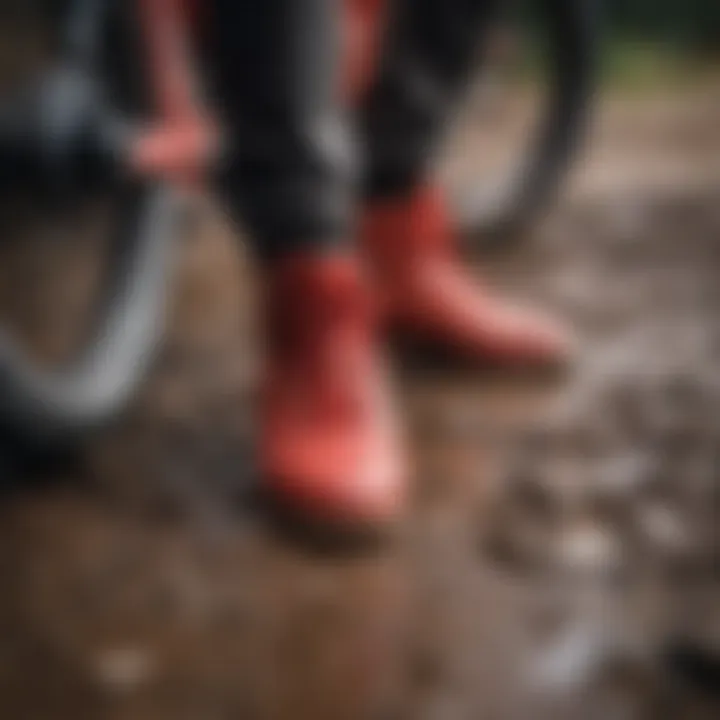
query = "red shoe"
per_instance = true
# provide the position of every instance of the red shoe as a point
(427, 296)
(329, 446)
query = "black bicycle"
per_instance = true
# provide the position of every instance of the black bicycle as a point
(89, 90)
(530, 106)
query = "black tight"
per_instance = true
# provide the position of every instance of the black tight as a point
(298, 161)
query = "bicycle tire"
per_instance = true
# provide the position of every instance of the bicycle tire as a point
(53, 407)
(572, 30)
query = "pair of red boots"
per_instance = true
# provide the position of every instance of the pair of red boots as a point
(330, 444)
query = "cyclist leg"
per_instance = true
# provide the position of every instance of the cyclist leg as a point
(426, 61)
(328, 445)
(425, 64)
(289, 170)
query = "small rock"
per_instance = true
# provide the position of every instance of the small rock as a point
(123, 670)
(663, 528)
(571, 661)
(623, 476)
(587, 546)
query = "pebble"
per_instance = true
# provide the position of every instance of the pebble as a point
(623, 477)
(663, 528)
(571, 660)
(124, 669)
(587, 546)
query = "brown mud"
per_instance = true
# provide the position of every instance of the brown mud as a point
(560, 533)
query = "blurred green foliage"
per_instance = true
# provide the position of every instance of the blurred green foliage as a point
(689, 24)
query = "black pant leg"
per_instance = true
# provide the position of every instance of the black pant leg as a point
(427, 60)
(289, 172)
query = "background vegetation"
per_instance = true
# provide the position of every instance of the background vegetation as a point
(688, 25)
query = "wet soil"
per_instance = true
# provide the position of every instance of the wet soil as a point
(561, 533)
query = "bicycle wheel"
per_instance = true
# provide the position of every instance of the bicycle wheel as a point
(85, 274)
(527, 113)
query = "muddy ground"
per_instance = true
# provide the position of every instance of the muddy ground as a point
(560, 535)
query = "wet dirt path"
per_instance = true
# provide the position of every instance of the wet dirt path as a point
(558, 532)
